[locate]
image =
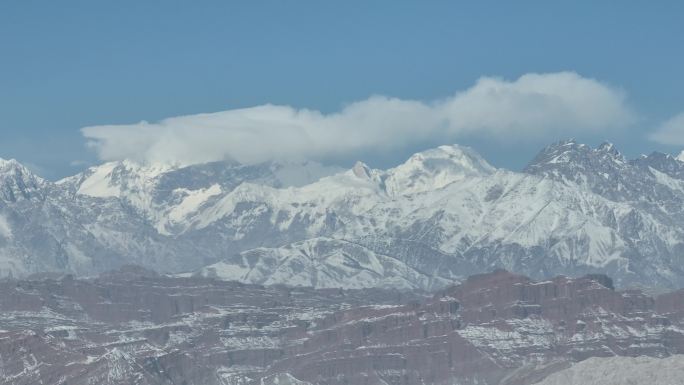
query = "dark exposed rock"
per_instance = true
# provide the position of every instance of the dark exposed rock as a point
(602, 279)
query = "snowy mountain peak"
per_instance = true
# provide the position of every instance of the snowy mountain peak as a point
(456, 156)
(361, 170)
(663, 163)
(608, 148)
(570, 154)
(13, 167)
(17, 182)
(116, 179)
(570, 149)
(680, 157)
(435, 168)
(4, 163)
(606, 172)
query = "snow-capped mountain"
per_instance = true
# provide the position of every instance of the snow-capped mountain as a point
(17, 183)
(165, 193)
(443, 214)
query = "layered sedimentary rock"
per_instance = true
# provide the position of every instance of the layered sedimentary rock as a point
(135, 327)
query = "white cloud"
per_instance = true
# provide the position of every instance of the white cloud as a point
(534, 105)
(670, 132)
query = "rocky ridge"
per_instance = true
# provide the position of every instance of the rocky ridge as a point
(442, 215)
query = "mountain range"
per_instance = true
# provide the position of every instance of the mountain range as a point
(441, 216)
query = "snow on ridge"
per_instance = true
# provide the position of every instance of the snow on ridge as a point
(6, 163)
(436, 168)
(192, 201)
(98, 184)
(447, 202)
(102, 181)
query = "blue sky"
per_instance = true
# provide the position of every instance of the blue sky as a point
(68, 65)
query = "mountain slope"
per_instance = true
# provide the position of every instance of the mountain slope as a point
(321, 263)
(620, 371)
(442, 215)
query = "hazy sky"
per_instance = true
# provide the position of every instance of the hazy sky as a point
(373, 80)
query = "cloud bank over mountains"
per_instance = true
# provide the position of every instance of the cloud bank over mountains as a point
(671, 131)
(536, 106)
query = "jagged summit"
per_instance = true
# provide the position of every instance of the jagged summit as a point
(17, 182)
(426, 170)
(7, 162)
(608, 148)
(361, 170)
(443, 214)
(114, 179)
(436, 168)
(453, 156)
(605, 171)
(13, 167)
(569, 152)
(662, 162)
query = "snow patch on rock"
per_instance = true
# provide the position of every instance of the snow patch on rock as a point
(621, 371)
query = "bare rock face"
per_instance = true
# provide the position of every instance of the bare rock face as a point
(136, 327)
